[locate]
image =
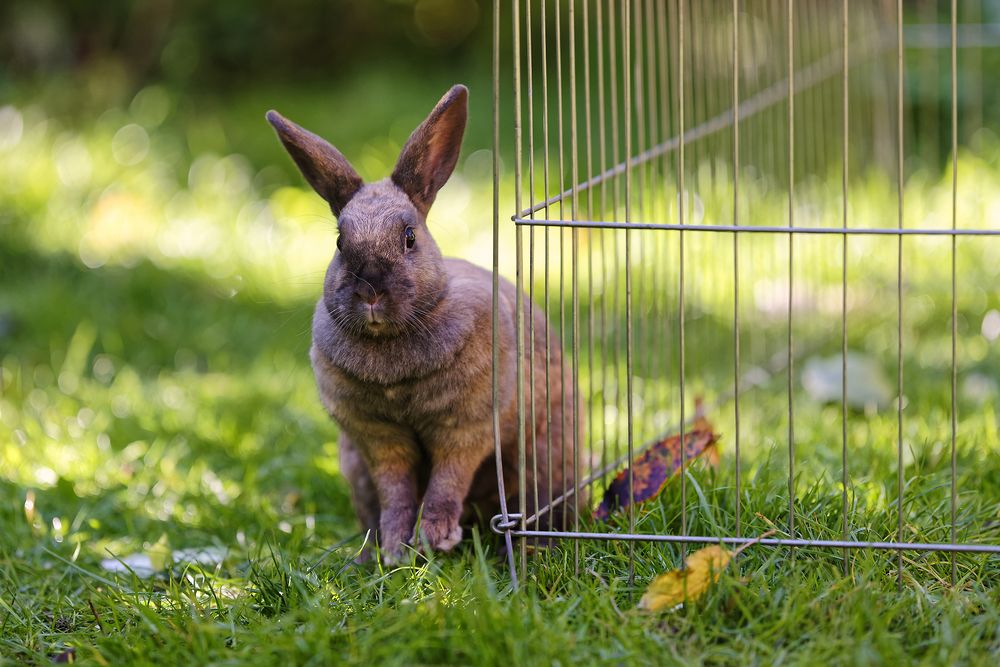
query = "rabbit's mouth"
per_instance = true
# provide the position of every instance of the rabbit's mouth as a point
(374, 314)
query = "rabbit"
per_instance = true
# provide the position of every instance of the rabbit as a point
(401, 351)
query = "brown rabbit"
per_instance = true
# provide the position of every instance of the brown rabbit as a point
(402, 349)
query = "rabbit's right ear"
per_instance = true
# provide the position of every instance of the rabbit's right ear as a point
(326, 169)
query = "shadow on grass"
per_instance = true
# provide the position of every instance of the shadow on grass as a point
(141, 401)
(154, 318)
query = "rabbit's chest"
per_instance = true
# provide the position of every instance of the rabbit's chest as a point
(412, 403)
(392, 399)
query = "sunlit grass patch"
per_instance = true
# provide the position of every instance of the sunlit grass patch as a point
(155, 390)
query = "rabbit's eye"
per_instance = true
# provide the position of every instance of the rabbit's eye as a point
(410, 236)
(340, 242)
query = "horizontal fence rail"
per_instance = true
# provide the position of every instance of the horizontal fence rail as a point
(500, 528)
(757, 229)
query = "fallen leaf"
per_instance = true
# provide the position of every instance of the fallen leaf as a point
(140, 564)
(867, 386)
(206, 556)
(701, 570)
(67, 655)
(978, 388)
(159, 557)
(657, 465)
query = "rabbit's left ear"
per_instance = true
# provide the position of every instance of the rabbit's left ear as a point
(430, 154)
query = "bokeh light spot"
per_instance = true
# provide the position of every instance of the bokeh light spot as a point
(11, 127)
(150, 106)
(445, 23)
(130, 145)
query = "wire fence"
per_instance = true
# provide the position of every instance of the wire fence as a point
(708, 194)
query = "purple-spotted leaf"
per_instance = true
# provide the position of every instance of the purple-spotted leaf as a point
(657, 465)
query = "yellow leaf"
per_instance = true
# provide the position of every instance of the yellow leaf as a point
(702, 569)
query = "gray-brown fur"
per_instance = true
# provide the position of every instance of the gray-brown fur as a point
(402, 351)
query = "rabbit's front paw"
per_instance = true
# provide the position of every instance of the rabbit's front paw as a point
(395, 530)
(439, 528)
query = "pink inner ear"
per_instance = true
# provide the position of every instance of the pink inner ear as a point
(437, 157)
(431, 153)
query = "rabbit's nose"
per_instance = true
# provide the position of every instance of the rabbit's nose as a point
(366, 294)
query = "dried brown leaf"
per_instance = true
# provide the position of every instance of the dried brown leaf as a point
(701, 570)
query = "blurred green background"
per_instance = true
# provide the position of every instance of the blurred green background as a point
(160, 255)
(136, 128)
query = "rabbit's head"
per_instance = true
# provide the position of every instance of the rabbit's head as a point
(387, 272)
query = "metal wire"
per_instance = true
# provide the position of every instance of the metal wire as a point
(547, 251)
(806, 78)
(845, 91)
(626, 83)
(736, 257)
(519, 305)
(496, 287)
(588, 133)
(680, 98)
(560, 140)
(776, 542)
(954, 278)
(680, 261)
(899, 286)
(531, 259)
(791, 268)
(762, 229)
(575, 241)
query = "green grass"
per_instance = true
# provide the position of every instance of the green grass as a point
(163, 394)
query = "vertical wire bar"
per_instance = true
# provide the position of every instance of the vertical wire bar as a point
(635, 71)
(615, 155)
(575, 296)
(954, 278)
(736, 249)
(974, 69)
(519, 296)
(496, 290)
(638, 99)
(899, 286)
(652, 124)
(602, 140)
(562, 264)
(929, 65)
(845, 81)
(669, 301)
(791, 267)
(592, 400)
(547, 249)
(652, 138)
(661, 239)
(682, 196)
(626, 50)
(531, 260)
(653, 259)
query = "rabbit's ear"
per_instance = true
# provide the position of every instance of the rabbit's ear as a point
(430, 154)
(326, 169)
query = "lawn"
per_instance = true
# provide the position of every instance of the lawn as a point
(156, 400)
